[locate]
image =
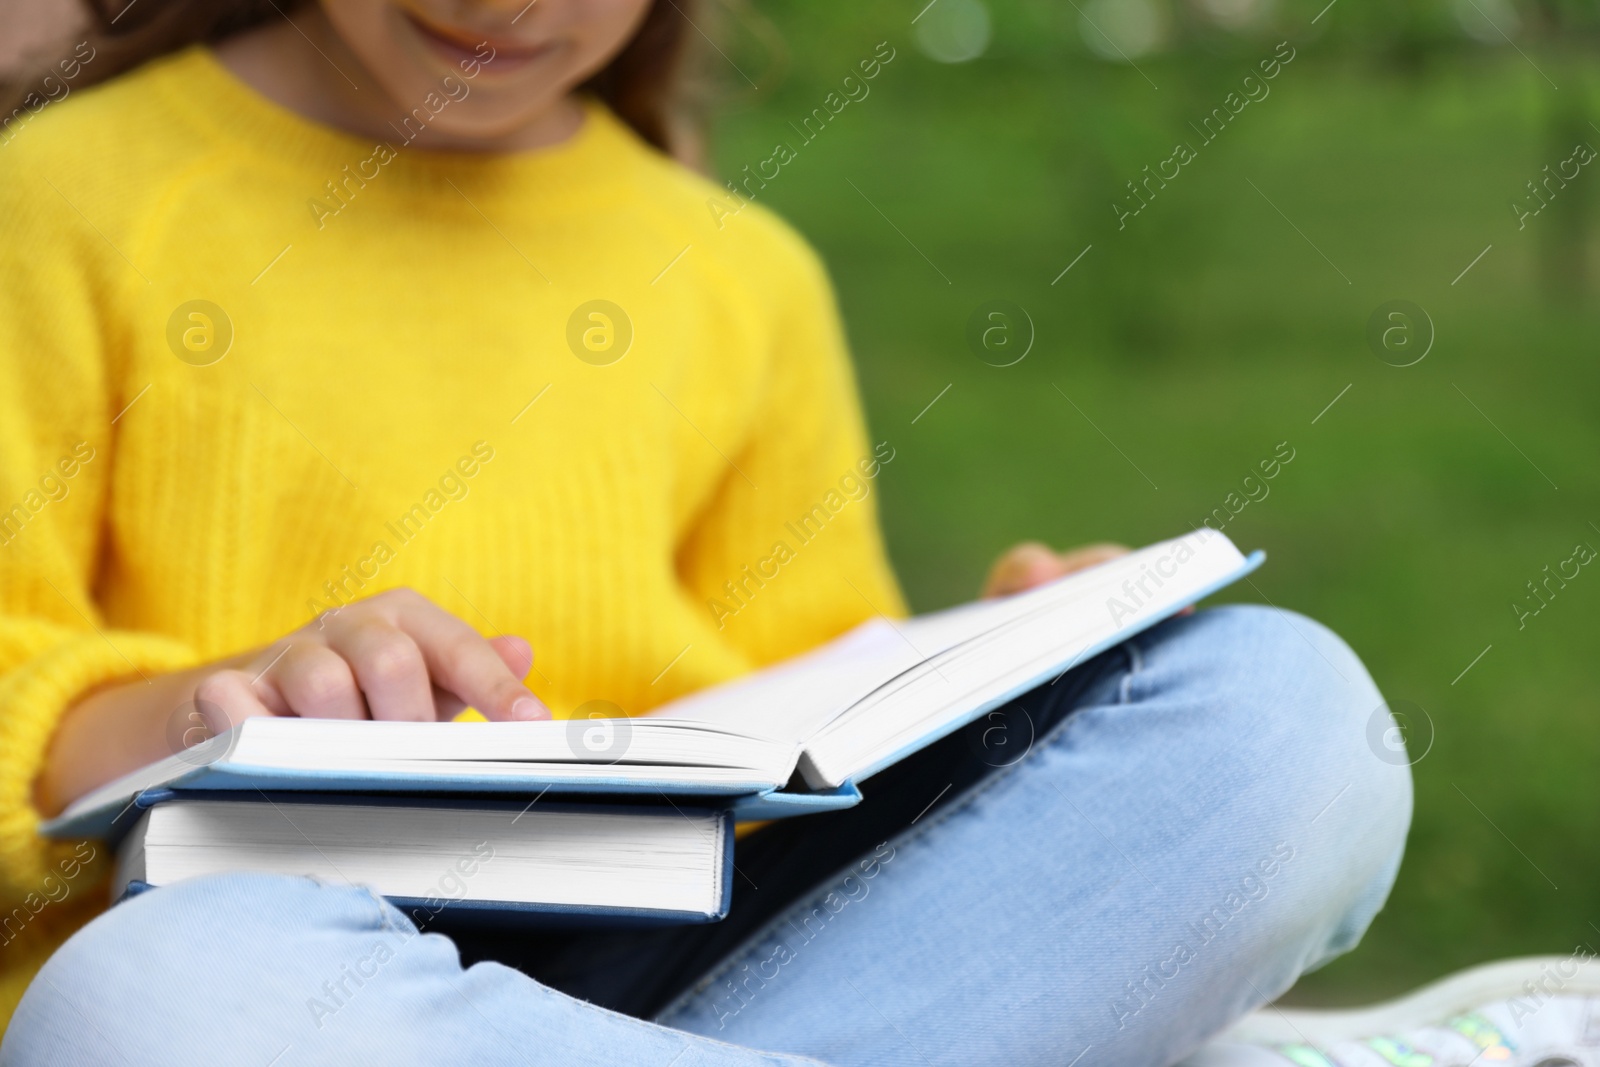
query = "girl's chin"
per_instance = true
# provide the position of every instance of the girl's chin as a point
(519, 78)
(488, 121)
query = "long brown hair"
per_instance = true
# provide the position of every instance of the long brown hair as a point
(642, 83)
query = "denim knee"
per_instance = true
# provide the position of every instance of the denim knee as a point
(230, 962)
(264, 969)
(1297, 714)
(1299, 684)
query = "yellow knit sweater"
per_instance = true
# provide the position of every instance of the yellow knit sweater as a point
(252, 368)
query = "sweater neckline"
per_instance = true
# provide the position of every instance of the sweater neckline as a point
(214, 96)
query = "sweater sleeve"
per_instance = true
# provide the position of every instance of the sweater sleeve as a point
(790, 553)
(56, 440)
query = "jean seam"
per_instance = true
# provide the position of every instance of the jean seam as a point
(1135, 668)
(907, 837)
(383, 920)
(386, 912)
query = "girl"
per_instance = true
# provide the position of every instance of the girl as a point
(338, 336)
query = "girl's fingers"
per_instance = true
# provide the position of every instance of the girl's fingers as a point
(1032, 564)
(227, 698)
(1090, 556)
(465, 663)
(388, 666)
(313, 681)
(446, 704)
(1023, 567)
(514, 652)
(400, 657)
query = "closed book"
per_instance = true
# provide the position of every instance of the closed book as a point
(536, 864)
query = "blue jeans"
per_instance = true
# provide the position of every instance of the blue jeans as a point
(1107, 872)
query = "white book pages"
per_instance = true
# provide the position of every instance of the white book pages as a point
(671, 861)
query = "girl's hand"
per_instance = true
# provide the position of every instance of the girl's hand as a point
(1031, 564)
(394, 656)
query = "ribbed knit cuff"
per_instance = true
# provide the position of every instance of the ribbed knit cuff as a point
(33, 697)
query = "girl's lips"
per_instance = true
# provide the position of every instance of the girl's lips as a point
(456, 46)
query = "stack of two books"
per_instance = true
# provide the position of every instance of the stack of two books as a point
(621, 820)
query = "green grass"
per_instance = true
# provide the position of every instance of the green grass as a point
(1212, 328)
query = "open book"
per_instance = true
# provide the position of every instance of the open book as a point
(795, 737)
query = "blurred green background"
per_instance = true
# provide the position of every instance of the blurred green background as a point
(1221, 321)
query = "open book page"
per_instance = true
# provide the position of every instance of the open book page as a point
(800, 698)
(794, 699)
(885, 685)
(1094, 609)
